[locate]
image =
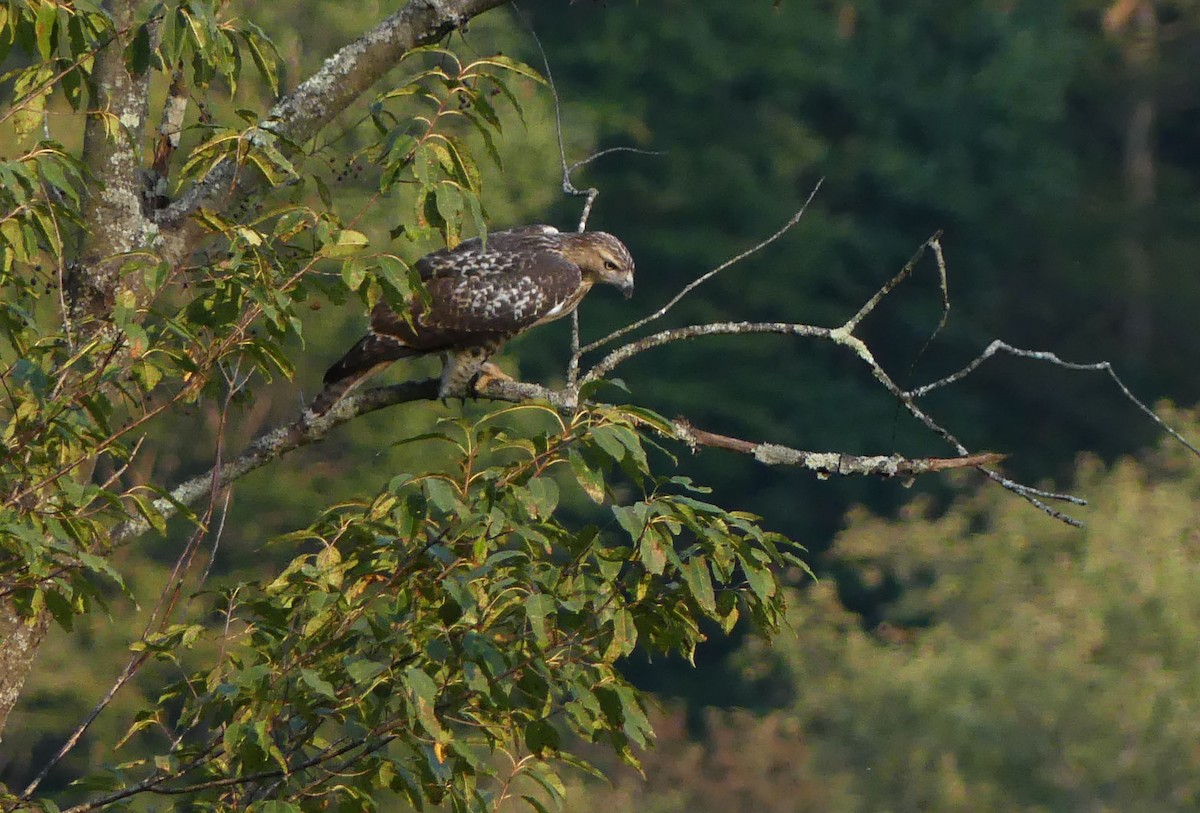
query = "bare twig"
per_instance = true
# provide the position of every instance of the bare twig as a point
(573, 362)
(570, 171)
(131, 669)
(169, 596)
(904, 273)
(687, 289)
(843, 336)
(1052, 358)
(568, 184)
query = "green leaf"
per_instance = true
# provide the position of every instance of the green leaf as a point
(607, 437)
(442, 494)
(60, 608)
(101, 565)
(354, 272)
(345, 243)
(318, 684)
(424, 692)
(520, 68)
(538, 606)
(652, 552)
(632, 518)
(137, 54)
(760, 578)
(43, 26)
(364, 671)
(259, 45)
(699, 581)
(590, 480)
(541, 737)
(624, 635)
(545, 496)
(421, 685)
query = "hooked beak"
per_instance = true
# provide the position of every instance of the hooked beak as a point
(626, 287)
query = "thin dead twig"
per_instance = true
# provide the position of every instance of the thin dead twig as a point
(844, 336)
(687, 289)
(998, 346)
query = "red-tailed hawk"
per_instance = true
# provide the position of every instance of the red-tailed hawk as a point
(480, 295)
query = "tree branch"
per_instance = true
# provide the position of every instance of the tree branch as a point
(274, 444)
(691, 286)
(998, 346)
(335, 86)
(830, 463)
(310, 428)
(843, 336)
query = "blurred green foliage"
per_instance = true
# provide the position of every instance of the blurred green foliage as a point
(1025, 666)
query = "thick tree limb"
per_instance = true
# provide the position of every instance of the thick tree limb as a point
(309, 429)
(276, 443)
(335, 86)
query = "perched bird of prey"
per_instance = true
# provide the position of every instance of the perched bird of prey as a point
(480, 295)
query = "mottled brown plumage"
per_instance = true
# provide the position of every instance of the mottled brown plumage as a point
(480, 295)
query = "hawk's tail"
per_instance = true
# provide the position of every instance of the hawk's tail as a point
(372, 352)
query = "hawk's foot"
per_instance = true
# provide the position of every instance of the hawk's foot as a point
(489, 372)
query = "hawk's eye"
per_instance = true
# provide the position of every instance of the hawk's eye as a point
(609, 265)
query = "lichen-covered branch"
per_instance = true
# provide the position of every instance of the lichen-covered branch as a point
(628, 351)
(335, 86)
(115, 223)
(825, 464)
(844, 336)
(20, 637)
(278, 442)
(310, 428)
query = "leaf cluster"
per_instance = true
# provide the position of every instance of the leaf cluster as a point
(81, 390)
(454, 624)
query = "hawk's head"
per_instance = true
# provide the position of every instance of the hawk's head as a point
(602, 258)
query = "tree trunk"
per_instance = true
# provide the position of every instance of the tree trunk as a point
(1141, 59)
(19, 641)
(117, 219)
